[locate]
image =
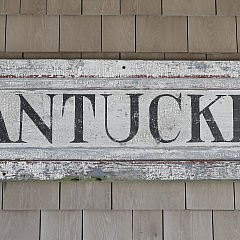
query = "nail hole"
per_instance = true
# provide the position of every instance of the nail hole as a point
(123, 67)
(4, 174)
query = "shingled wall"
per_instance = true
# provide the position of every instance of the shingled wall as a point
(120, 210)
(120, 29)
(125, 29)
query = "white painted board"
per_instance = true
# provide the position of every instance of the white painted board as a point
(145, 119)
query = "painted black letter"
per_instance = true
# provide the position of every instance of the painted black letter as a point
(134, 117)
(4, 138)
(208, 117)
(153, 118)
(44, 129)
(236, 118)
(78, 127)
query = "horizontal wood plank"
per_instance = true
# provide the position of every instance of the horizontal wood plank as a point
(73, 69)
(119, 170)
(41, 140)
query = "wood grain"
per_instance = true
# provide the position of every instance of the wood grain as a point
(214, 195)
(140, 7)
(142, 158)
(101, 225)
(229, 8)
(145, 71)
(161, 34)
(101, 7)
(147, 225)
(175, 130)
(188, 225)
(212, 34)
(19, 225)
(175, 138)
(188, 7)
(119, 170)
(74, 41)
(118, 34)
(62, 225)
(30, 195)
(148, 195)
(27, 33)
(9, 6)
(85, 195)
(64, 7)
(33, 6)
(226, 225)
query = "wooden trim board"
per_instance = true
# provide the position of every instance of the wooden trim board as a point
(119, 120)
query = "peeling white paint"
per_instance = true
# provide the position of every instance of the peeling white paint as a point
(137, 162)
(119, 170)
(114, 69)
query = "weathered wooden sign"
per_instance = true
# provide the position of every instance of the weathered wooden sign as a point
(119, 119)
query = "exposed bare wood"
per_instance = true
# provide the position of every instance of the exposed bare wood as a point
(147, 225)
(167, 152)
(120, 170)
(114, 69)
(115, 225)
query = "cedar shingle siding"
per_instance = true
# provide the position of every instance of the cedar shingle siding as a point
(120, 210)
(120, 29)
